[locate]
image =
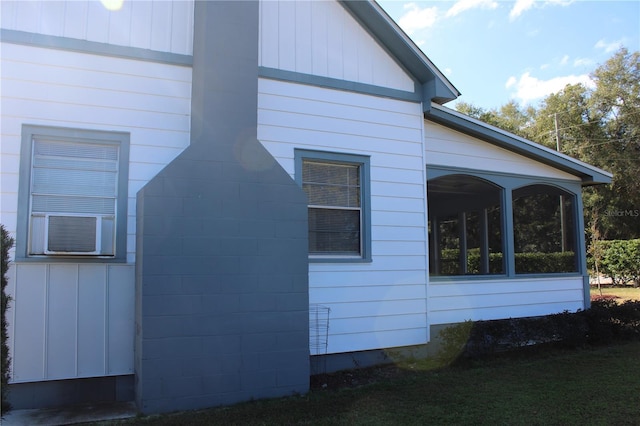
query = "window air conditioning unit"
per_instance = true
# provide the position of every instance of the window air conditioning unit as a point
(77, 235)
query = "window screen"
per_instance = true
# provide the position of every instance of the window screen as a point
(335, 214)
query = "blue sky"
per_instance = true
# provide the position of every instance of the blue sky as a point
(496, 51)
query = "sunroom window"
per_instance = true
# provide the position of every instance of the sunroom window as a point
(544, 230)
(465, 226)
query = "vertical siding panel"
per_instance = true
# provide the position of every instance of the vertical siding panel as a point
(29, 326)
(120, 317)
(97, 23)
(182, 17)
(160, 22)
(269, 33)
(319, 38)
(365, 57)
(350, 46)
(120, 25)
(287, 36)
(8, 14)
(322, 38)
(141, 13)
(52, 18)
(62, 318)
(28, 16)
(335, 49)
(303, 49)
(75, 19)
(92, 320)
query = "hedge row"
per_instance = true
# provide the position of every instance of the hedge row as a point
(605, 322)
(6, 242)
(618, 260)
(526, 263)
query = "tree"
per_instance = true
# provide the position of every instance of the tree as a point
(598, 125)
(616, 104)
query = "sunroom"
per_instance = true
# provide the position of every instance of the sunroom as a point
(505, 220)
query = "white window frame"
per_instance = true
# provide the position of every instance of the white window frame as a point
(110, 240)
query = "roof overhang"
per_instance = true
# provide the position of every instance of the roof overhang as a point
(589, 174)
(434, 86)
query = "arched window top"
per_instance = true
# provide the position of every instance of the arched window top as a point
(461, 183)
(540, 188)
(462, 192)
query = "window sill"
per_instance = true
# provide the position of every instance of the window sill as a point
(69, 259)
(338, 259)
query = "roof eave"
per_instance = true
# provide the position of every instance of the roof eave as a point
(590, 175)
(435, 86)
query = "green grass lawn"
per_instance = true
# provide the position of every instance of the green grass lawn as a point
(621, 293)
(584, 387)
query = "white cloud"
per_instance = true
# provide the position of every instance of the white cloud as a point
(564, 60)
(448, 71)
(609, 47)
(582, 62)
(522, 6)
(529, 88)
(416, 18)
(462, 5)
(519, 8)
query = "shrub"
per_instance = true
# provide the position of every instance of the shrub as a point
(620, 260)
(5, 245)
(540, 263)
(605, 322)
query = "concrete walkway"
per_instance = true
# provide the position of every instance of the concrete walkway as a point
(70, 415)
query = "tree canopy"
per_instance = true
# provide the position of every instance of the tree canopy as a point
(599, 125)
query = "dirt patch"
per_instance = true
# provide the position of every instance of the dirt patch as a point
(357, 377)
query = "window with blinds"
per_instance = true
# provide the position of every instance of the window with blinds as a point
(335, 207)
(73, 194)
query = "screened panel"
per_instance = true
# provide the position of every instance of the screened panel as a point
(465, 226)
(544, 230)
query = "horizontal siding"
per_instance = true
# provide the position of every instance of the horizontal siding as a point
(59, 88)
(456, 301)
(71, 321)
(165, 26)
(382, 303)
(321, 38)
(446, 147)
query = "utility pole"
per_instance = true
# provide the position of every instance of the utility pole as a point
(562, 219)
(555, 122)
